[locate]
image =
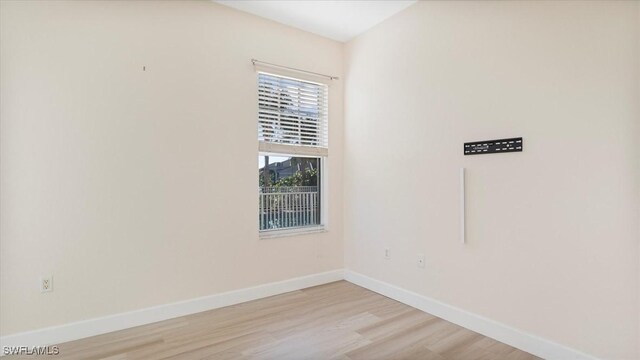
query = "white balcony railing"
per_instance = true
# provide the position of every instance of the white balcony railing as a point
(288, 206)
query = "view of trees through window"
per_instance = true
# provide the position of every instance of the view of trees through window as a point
(288, 171)
(289, 191)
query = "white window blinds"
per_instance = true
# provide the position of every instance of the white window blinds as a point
(292, 116)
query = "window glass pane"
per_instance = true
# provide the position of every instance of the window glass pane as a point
(288, 191)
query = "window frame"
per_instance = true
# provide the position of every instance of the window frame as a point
(323, 199)
(281, 151)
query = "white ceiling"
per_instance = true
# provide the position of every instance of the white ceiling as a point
(335, 19)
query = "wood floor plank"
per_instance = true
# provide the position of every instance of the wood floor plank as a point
(337, 321)
(390, 325)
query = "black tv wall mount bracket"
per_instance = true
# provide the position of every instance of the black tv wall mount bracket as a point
(493, 146)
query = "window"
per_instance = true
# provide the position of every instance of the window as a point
(292, 145)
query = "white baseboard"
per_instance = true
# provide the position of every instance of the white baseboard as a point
(73, 331)
(519, 339)
(102, 325)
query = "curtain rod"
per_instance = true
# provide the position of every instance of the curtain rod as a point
(255, 61)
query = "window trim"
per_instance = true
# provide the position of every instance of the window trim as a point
(304, 230)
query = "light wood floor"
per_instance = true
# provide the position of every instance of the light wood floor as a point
(334, 321)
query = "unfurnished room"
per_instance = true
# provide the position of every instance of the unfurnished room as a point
(320, 180)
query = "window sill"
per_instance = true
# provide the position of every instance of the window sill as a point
(271, 234)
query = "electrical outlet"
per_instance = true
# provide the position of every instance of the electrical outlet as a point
(46, 284)
(387, 253)
(421, 260)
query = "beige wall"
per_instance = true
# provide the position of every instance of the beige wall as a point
(135, 188)
(553, 231)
